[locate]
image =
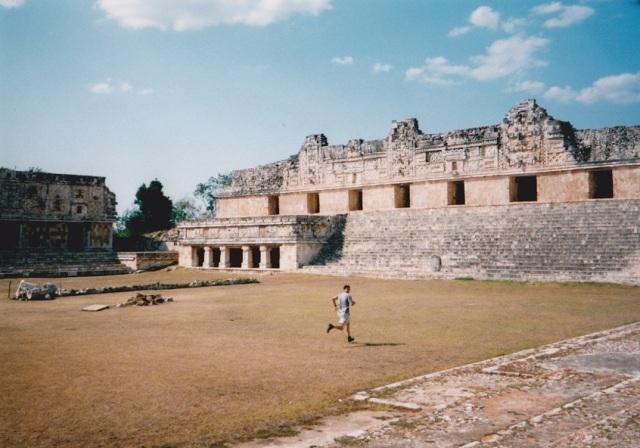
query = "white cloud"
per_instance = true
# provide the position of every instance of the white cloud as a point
(502, 58)
(382, 68)
(528, 87)
(564, 15)
(11, 3)
(561, 94)
(124, 86)
(102, 88)
(508, 56)
(342, 60)
(621, 89)
(437, 71)
(459, 31)
(485, 17)
(110, 86)
(181, 15)
(513, 24)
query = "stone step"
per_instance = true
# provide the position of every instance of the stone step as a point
(579, 239)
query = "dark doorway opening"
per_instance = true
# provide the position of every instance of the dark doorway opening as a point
(274, 205)
(9, 235)
(200, 256)
(255, 256)
(402, 196)
(313, 203)
(355, 200)
(456, 193)
(524, 189)
(75, 237)
(235, 257)
(215, 257)
(601, 184)
(274, 254)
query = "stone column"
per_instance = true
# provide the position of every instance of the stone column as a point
(246, 257)
(208, 257)
(194, 256)
(265, 259)
(224, 257)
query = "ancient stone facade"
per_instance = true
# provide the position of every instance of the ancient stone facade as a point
(46, 217)
(270, 242)
(55, 211)
(530, 157)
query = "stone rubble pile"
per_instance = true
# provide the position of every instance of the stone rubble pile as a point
(145, 300)
(33, 291)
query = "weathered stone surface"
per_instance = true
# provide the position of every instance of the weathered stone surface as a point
(528, 137)
(589, 241)
(146, 261)
(145, 300)
(49, 221)
(156, 286)
(95, 308)
(522, 400)
(31, 291)
(440, 205)
(251, 230)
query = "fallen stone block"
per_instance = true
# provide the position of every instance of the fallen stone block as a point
(33, 291)
(96, 307)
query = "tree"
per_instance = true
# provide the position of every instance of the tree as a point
(185, 209)
(209, 191)
(156, 209)
(153, 211)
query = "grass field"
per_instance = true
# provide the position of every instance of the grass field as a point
(226, 362)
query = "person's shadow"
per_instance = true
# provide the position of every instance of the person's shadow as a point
(375, 344)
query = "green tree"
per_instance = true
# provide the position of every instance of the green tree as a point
(209, 191)
(185, 209)
(156, 209)
(153, 211)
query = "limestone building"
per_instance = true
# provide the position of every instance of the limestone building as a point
(530, 197)
(55, 223)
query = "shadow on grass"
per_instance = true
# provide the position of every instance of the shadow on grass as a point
(375, 344)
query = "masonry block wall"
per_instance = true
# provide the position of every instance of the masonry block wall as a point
(592, 240)
(47, 211)
(626, 182)
(432, 189)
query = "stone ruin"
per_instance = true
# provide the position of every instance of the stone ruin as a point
(528, 198)
(145, 300)
(527, 137)
(56, 224)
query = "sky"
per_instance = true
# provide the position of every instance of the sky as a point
(181, 90)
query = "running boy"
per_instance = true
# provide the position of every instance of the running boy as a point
(341, 303)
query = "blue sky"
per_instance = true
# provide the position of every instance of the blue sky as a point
(184, 89)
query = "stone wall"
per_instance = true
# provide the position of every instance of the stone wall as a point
(49, 196)
(46, 211)
(552, 186)
(528, 140)
(595, 240)
(56, 225)
(439, 205)
(137, 261)
(297, 239)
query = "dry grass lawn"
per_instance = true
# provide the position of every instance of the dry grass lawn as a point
(224, 362)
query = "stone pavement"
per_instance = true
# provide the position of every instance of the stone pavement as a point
(583, 392)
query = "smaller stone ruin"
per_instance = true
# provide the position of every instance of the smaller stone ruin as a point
(145, 300)
(33, 291)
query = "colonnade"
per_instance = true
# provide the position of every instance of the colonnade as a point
(238, 257)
